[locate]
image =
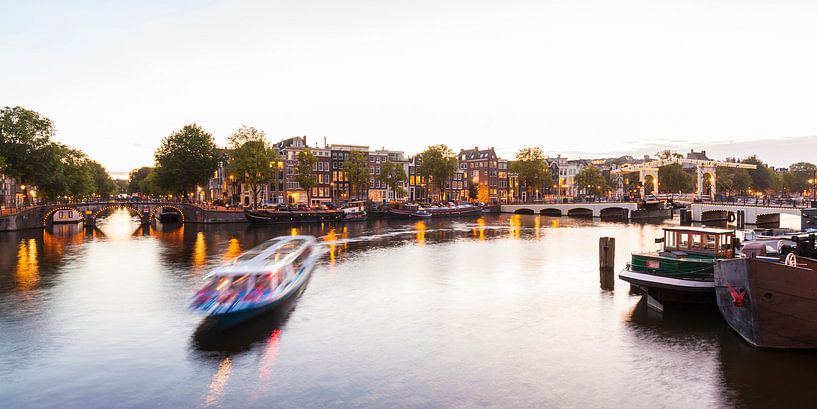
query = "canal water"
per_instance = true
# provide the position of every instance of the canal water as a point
(502, 311)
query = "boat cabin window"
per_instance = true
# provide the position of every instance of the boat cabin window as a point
(702, 242)
(683, 240)
(239, 283)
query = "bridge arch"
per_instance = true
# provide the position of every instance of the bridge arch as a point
(580, 212)
(159, 208)
(523, 211)
(613, 213)
(51, 212)
(105, 209)
(551, 212)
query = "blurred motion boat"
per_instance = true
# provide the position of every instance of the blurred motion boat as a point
(258, 281)
(770, 301)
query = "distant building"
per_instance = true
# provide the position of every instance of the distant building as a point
(482, 170)
(9, 196)
(322, 191)
(340, 180)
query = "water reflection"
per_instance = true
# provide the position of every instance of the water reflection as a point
(430, 279)
(215, 391)
(27, 265)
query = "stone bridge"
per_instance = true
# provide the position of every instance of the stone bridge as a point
(754, 215)
(601, 210)
(42, 216)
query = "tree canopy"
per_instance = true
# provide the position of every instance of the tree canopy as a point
(357, 170)
(185, 159)
(439, 163)
(673, 179)
(532, 168)
(252, 161)
(764, 178)
(25, 136)
(591, 180)
(393, 176)
(798, 177)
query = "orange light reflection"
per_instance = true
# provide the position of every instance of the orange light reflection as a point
(28, 269)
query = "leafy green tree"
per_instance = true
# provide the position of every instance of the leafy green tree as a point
(473, 192)
(252, 159)
(104, 185)
(532, 168)
(357, 170)
(673, 179)
(121, 185)
(306, 161)
(186, 159)
(393, 176)
(136, 179)
(764, 178)
(798, 176)
(24, 137)
(668, 154)
(438, 163)
(591, 180)
(70, 175)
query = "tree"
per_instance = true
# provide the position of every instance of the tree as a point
(136, 179)
(69, 174)
(532, 168)
(673, 179)
(104, 185)
(438, 163)
(253, 161)
(186, 159)
(306, 161)
(2, 164)
(798, 176)
(473, 192)
(764, 178)
(393, 176)
(357, 170)
(591, 180)
(668, 154)
(24, 137)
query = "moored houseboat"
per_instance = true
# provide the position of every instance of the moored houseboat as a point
(355, 212)
(264, 216)
(770, 301)
(682, 271)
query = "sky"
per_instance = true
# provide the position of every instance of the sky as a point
(577, 78)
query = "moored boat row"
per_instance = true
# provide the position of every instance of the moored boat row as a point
(766, 289)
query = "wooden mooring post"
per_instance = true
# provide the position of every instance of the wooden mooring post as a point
(607, 260)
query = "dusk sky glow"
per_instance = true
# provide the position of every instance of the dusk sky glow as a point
(581, 78)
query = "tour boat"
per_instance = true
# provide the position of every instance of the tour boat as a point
(257, 281)
(682, 272)
(770, 301)
(263, 216)
(354, 212)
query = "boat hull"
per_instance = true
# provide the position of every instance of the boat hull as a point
(475, 211)
(779, 302)
(287, 217)
(670, 291)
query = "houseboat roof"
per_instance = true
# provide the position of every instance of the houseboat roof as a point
(707, 230)
(267, 257)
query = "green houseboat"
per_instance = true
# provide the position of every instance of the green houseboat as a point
(682, 272)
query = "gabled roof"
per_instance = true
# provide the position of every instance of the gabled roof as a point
(476, 153)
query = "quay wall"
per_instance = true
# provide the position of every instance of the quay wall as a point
(32, 218)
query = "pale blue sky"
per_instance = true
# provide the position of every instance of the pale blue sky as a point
(580, 77)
